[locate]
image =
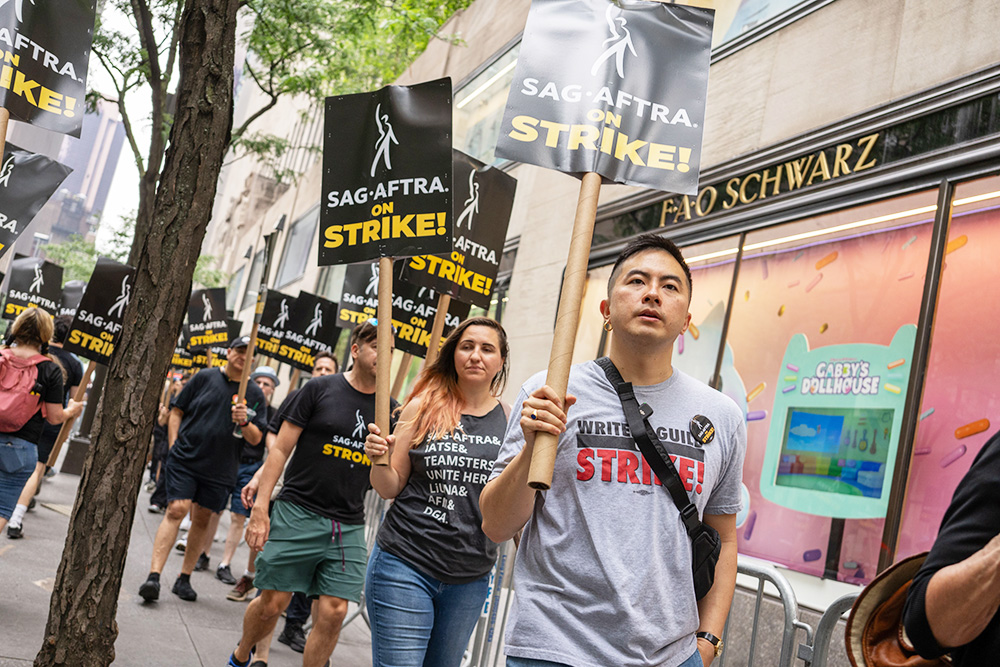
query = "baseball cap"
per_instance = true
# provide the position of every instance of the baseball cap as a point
(265, 372)
(242, 341)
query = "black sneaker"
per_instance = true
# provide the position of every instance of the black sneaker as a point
(258, 663)
(14, 532)
(202, 563)
(293, 637)
(31, 503)
(182, 589)
(224, 575)
(150, 590)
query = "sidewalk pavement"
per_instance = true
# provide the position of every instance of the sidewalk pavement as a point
(169, 632)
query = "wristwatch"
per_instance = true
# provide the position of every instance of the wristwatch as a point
(711, 639)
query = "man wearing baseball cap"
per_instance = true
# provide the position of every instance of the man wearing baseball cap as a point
(204, 458)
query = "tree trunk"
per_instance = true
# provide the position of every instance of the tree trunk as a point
(81, 628)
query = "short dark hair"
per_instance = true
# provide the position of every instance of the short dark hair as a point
(366, 332)
(323, 354)
(61, 327)
(645, 242)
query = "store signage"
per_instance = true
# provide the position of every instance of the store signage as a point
(97, 324)
(831, 448)
(34, 283)
(484, 197)
(613, 88)
(45, 47)
(27, 181)
(387, 174)
(801, 172)
(413, 308)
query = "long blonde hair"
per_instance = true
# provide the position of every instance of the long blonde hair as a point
(437, 386)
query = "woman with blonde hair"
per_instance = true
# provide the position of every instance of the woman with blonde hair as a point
(428, 574)
(31, 392)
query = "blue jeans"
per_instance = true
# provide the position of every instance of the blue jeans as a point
(418, 620)
(17, 462)
(694, 661)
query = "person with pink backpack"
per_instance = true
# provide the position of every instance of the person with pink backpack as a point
(31, 392)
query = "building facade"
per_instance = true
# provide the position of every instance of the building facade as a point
(840, 245)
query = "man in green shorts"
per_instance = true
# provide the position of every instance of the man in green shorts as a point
(314, 540)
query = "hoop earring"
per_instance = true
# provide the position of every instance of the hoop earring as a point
(607, 325)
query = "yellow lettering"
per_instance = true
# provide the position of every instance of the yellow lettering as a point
(524, 128)
(624, 148)
(732, 195)
(554, 130)
(765, 179)
(840, 161)
(743, 188)
(661, 156)
(334, 239)
(821, 168)
(578, 140)
(869, 144)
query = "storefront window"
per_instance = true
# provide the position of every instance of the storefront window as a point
(960, 404)
(298, 243)
(253, 282)
(822, 335)
(479, 106)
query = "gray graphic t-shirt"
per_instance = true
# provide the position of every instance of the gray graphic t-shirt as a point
(603, 571)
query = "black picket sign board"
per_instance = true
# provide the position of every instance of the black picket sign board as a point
(34, 283)
(46, 46)
(413, 308)
(484, 197)
(182, 359)
(274, 319)
(207, 318)
(616, 88)
(221, 352)
(387, 174)
(27, 181)
(97, 324)
(72, 292)
(311, 328)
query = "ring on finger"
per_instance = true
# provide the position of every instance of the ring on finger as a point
(534, 414)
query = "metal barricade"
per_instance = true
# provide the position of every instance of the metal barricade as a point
(817, 654)
(487, 639)
(764, 573)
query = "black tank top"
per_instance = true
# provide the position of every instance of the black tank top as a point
(435, 524)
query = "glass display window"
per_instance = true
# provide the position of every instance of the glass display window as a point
(479, 106)
(822, 332)
(960, 407)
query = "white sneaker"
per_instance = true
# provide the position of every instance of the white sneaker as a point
(181, 544)
(186, 523)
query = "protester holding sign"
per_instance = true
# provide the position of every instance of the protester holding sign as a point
(314, 540)
(73, 377)
(429, 571)
(33, 394)
(158, 501)
(604, 572)
(204, 459)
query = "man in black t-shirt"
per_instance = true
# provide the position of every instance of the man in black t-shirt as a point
(50, 432)
(204, 459)
(315, 536)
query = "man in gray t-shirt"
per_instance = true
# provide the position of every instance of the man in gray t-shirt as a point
(603, 571)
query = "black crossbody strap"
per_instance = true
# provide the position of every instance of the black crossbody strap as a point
(637, 417)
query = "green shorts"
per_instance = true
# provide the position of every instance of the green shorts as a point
(304, 554)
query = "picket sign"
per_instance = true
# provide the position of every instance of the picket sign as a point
(269, 243)
(437, 329)
(384, 359)
(4, 118)
(81, 393)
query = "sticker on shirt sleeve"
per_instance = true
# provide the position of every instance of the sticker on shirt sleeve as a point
(702, 429)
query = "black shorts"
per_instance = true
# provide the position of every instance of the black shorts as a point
(47, 440)
(182, 484)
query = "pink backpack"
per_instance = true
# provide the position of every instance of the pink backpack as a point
(17, 382)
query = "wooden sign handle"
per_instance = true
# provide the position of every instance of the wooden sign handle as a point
(384, 361)
(437, 329)
(543, 457)
(4, 118)
(293, 379)
(404, 369)
(81, 393)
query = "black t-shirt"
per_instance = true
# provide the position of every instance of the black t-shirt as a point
(205, 442)
(256, 452)
(435, 523)
(74, 376)
(329, 472)
(51, 380)
(274, 423)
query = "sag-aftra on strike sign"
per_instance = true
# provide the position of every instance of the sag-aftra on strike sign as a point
(616, 88)
(387, 174)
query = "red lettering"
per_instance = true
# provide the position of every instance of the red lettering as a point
(647, 474)
(685, 471)
(607, 456)
(628, 462)
(587, 468)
